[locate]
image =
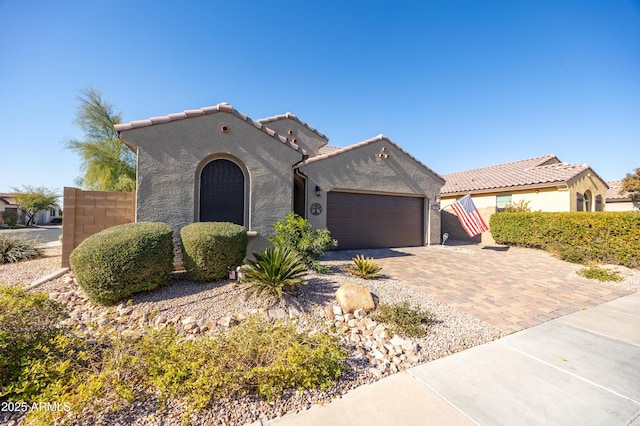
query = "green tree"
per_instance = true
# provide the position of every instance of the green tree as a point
(631, 185)
(31, 200)
(107, 164)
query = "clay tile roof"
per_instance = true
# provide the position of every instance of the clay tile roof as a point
(338, 151)
(613, 193)
(532, 171)
(222, 107)
(292, 117)
(327, 149)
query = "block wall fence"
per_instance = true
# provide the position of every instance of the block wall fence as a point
(88, 212)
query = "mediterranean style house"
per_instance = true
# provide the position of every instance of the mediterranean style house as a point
(217, 164)
(547, 183)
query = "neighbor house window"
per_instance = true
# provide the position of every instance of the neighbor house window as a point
(599, 203)
(502, 201)
(579, 202)
(222, 192)
(587, 201)
(52, 212)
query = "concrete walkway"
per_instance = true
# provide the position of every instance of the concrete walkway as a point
(581, 369)
(511, 288)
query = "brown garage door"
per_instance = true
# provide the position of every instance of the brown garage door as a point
(370, 221)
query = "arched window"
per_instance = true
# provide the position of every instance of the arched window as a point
(587, 201)
(222, 192)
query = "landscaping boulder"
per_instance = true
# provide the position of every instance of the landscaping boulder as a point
(352, 297)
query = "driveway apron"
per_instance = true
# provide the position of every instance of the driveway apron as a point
(510, 288)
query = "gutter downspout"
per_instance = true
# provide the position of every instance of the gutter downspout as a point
(297, 172)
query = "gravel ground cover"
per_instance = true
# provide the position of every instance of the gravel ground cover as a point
(209, 306)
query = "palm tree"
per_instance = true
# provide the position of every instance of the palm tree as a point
(107, 164)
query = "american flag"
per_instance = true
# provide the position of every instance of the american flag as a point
(469, 217)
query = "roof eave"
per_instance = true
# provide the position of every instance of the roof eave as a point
(557, 184)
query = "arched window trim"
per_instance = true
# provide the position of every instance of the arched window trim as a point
(246, 192)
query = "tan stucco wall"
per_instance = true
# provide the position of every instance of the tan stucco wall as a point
(301, 135)
(587, 181)
(451, 225)
(623, 206)
(362, 170)
(554, 199)
(171, 155)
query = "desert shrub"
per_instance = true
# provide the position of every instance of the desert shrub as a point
(15, 249)
(255, 357)
(295, 232)
(405, 320)
(520, 206)
(28, 336)
(603, 237)
(275, 270)
(10, 218)
(366, 268)
(211, 249)
(567, 252)
(123, 260)
(600, 274)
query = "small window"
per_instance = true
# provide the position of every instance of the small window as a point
(599, 203)
(52, 212)
(502, 201)
(587, 201)
(579, 202)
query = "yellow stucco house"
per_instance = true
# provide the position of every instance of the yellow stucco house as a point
(547, 183)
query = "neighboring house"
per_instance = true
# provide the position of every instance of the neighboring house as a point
(545, 182)
(617, 202)
(43, 217)
(216, 164)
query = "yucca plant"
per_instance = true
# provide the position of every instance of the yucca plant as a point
(13, 249)
(366, 268)
(275, 270)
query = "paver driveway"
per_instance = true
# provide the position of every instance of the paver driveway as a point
(510, 288)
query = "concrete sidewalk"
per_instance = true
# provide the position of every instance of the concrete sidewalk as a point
(581, 369)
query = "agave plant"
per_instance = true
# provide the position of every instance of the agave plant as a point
(15, 249)
(366, 268)
(275, 270)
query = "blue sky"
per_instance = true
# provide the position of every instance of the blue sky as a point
(458, 84)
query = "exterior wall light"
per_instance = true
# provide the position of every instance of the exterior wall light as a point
(318, 190)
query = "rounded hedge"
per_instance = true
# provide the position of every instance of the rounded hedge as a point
(123, 260)
(211, 249)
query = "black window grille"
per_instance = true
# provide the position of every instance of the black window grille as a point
(222, 192)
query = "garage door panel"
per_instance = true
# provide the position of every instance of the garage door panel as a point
(370, 221)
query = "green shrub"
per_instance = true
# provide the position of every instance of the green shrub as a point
(10, 218)
(28, 331)
(123, 260)
(56, 220)
(405, 320)
(600, 274)
(255, 357)
(15, 249)
(296, 233)
(366, 268)
(275, 270)
(211, 249)
(604, 237)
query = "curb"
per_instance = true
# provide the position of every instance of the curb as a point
(49, 244)
(51, 276)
